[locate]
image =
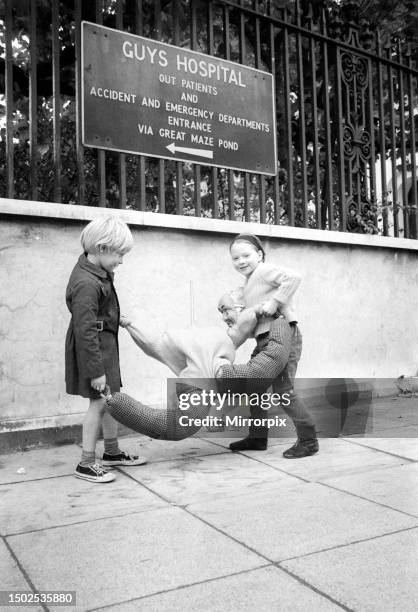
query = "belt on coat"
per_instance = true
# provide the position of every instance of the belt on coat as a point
(101, 326)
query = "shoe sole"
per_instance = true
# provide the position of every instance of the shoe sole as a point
(300, 456)
(245, 450)
(121, 463)
(93, 479)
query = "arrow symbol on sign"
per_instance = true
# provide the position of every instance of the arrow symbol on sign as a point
(200, 152)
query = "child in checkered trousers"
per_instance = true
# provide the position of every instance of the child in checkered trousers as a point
(268, 289)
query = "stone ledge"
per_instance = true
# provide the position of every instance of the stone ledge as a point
(20, 425)
(18, 441)
(136, 218)
(27, 439)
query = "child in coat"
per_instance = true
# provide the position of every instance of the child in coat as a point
(91, 344)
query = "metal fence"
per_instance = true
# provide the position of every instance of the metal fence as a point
(346, 105)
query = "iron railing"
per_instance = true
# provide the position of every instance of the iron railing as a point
(346, 104)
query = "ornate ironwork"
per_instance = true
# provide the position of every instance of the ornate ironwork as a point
(345, 113)
(357, 146)
(357, 140)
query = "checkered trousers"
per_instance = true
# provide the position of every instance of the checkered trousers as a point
(157, 423)
(264, 366)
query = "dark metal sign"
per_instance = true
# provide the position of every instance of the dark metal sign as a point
(146, 97)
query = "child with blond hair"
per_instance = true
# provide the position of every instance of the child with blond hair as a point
(91, 344)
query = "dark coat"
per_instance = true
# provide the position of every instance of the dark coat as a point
(91, 344)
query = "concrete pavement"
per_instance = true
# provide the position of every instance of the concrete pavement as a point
(200, 528)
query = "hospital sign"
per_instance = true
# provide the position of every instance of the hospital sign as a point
(146, 97)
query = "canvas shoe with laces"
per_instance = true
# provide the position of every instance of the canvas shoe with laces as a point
(121, 459)
(93, 472)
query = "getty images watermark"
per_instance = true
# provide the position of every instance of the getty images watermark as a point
(214, 400)
(338, 406)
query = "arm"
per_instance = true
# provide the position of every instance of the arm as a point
(285, 280)
(150, 343)
(243, 328)
(84, 309)
(267, 364)
(159, 346)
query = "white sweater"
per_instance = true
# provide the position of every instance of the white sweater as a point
(269, 281)
(195, 352)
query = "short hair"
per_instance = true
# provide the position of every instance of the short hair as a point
(235, 298)
(109, 231)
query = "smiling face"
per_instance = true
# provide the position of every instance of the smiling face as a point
(241, 321)
(228, 310)
(108, 259)
(245, 257)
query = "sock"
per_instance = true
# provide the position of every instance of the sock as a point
(111, 446)
(87, 457)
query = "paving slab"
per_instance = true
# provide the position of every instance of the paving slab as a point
(118, 559)
(273, 441)
(11, 578)
(396, 487)
(290, 521)
(388, 415)
(165, 450)
(392, 425)
(268, 588)
(200, 478)
(379, 574)
(40, 504)
(39, 463)
(403, 447)
(336, 457)
(396, 407)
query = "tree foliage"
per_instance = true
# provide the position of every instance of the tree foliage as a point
(390, 18)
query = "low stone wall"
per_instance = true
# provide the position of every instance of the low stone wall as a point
(357, 303)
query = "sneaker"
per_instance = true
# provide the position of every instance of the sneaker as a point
(94, 473)
(122, 459)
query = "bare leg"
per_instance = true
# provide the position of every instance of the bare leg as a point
(110, 426)
(91, 424)
(88, 469)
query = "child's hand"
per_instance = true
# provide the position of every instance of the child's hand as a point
(244, 327)
(258, 309)
(269, 308)
(99, 383)
(124, 321)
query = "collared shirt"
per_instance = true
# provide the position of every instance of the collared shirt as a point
(86, 264)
